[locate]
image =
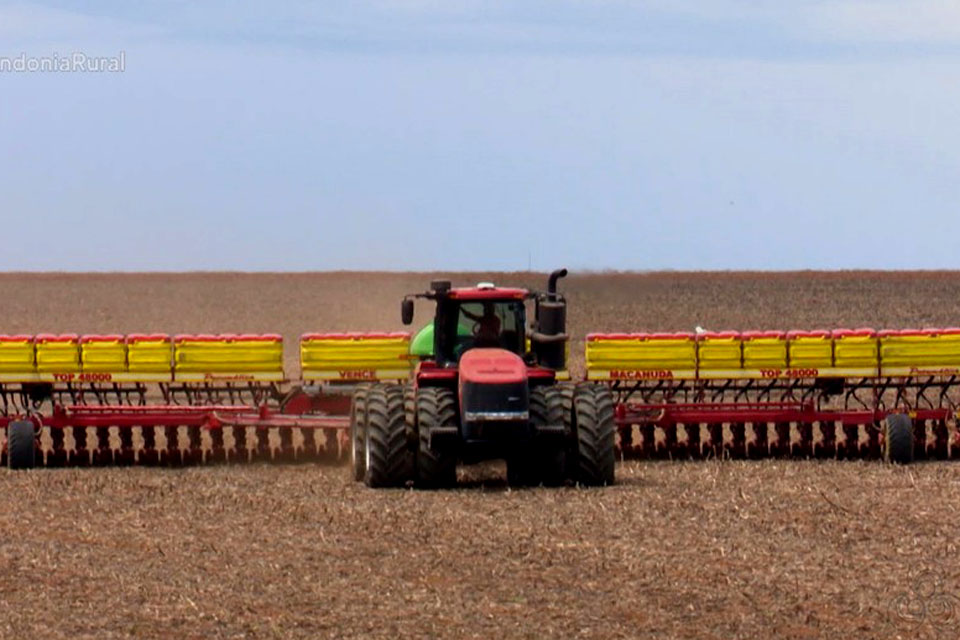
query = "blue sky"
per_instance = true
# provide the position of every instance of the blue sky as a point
(421, 134)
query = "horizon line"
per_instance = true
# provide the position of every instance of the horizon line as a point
(573, 272)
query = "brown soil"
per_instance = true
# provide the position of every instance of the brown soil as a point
(688, 550)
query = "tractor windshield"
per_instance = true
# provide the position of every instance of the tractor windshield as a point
(482, 323)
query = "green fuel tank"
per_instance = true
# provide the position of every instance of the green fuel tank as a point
(422, 344)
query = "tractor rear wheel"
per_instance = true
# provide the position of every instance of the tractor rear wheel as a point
(592, 456)
(21, 445)
(389, 459)
(435, 408)
(358, 433)
(898, 439)
(540, 463)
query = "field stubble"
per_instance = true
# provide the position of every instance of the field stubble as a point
(685, 550)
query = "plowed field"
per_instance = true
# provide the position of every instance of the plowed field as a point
(675, 550)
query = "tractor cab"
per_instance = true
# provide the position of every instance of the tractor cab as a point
(491, 317)
(484, 317)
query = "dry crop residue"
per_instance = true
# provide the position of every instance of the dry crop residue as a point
(690, 550)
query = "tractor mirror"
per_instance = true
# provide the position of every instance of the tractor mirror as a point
(406, 311)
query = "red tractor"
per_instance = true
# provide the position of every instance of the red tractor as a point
(488, 391)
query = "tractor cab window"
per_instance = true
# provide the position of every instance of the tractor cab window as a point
(483, 323)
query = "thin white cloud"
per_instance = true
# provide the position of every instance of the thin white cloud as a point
(903, 21)
(930, 22)
(24, 24)
(758, 29)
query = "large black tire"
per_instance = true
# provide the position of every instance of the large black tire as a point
(435, 408)
(898, 439)
(567, 392)
(410, 410)
(539, 463)
(21, 445)
(592, 455)
(358, 433)
(389, 458)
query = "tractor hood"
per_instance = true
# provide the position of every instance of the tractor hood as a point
(492, 366)
(493, 390)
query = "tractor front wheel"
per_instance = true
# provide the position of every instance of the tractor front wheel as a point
(435, 408)
(358, 433)
(540, 462)
(389, 460)
(592, 431)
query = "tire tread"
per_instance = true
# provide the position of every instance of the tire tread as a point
(898, 439)
(595, 435)
(21, 445)
(391, 461)
(436, 407)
